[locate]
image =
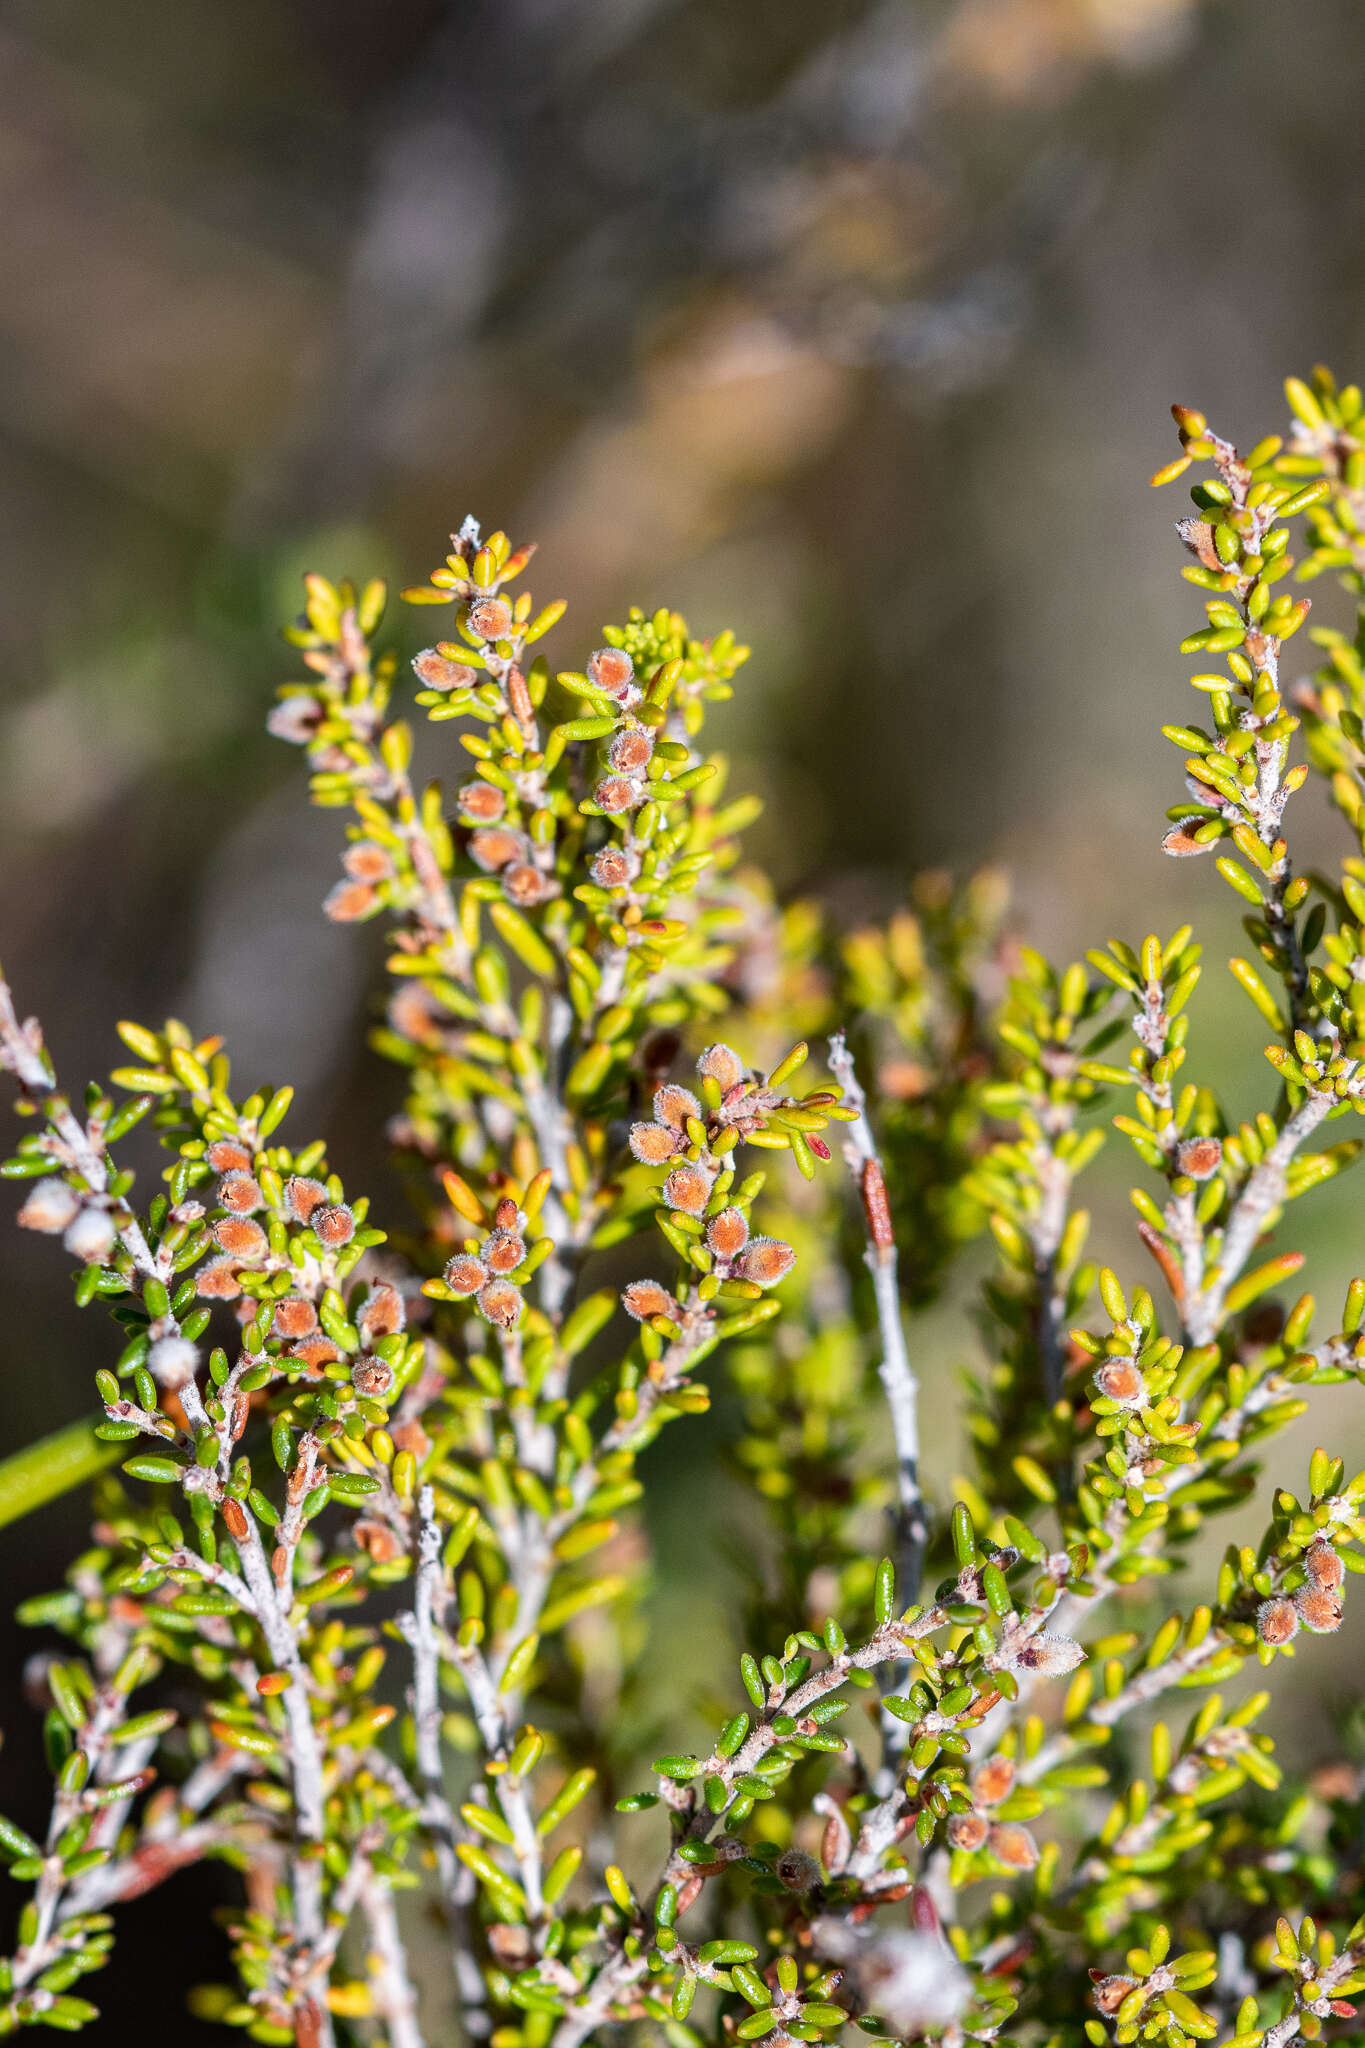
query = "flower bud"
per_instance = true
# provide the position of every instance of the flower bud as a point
(719, 1063)
(294, 1316)
(728, 1233)
(612, 671)
(1277, 1620)
(481, 803)
(765, 1261)
(646, 1298)
(173, 1362)
(688, 1189)
(51, 1205)
(91, 1235)
(490, 618)
(465, 1274)
(500, 1302)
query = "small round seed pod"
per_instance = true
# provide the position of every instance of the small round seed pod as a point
(334, 1225)
(1200, 1158)
(490, 618)
(524, 885)
(728, 1233)
(382, 1313)
(242, 1237)
(653, 1143)
(1277, 1620)
(50, 1207)
(173, 1362)
(239, 1192)
(721, 1064)
(612, 671)
(1323, 1566)
(294, 1316)
(688, 1189)
(465, 1274)
(366, 861)
(765, 1261)
(617, 793)
(349, 901)
(967, 1830)
(303, 1197)
(631, 750)
(504, 1251)
(481, 803)
(993, 1780)
(1013, 1845)
(217, 1281)
(313, 1353)
(1319, 1609)
(500, 1302)
(612, 868)
(377, 1540)
(674, 1105)
(225, 1157)
(646, 1298)
(91, 1235)
(494, 847)
(372, 1378)
(438, 672)
(798, 1871)
(1119, 1379)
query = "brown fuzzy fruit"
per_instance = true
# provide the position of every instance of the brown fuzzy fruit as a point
(240, 1236)
(294, 1317)
(500, 1302)
(687, 1189)
(728, 1233)
(646, 1298)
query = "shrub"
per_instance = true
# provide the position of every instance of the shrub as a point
(363, 1612)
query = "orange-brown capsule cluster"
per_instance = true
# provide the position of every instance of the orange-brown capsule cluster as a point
(1318, 1603)
(990, 1786)
(628, 758)
(482, 1267)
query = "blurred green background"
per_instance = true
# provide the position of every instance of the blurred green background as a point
(851, 323)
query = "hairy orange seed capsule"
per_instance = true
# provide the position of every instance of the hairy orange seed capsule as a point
(631, 750)
(728, 1233)
(687, 1189)
(504, 1251)
(240, 1236)
(495, 846)
(967, 1830)
(382, 1313)
(1119, 1379)
(1323, 1566)
(524, 885)
(797, 1870)
(372, 1378)
(674, 1105)
(1319, 1609)
(312, 1353)
(721, 1064)
(500, 1302)
(465, 1274)
(993, 1781)
(617, 793)
(1014, 1845)
(1200, 1158)
(765, 1261)
(349, 901)
(653, 1143)
(304, 1196)
(367, 862)
(1277, 1620)
(612, 868)
(490, 617)
(440, 673)
(611, 669)
(334, 1225)
(646, 1298)
(294, 1316)
(239, 1192)
(217, 1281)
(481, 803)
(225, 1157)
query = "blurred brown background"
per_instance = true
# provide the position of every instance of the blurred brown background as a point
(849, 322)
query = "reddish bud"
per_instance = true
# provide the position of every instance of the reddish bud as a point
(367, 862)
(653, 1143)
(225, 1157)
(494, 846)
(674, 1105)
(349, 901)
(1319, 1609)
(993, 1780)
(465, 1274)
(294, 1317)
(611, 670)
(217, 1281)
(612, 868)
(728, 1233)
(303, 1196)
(334, 1225)
(1013, 1845)
(688, 1189)
(721, 1064)
(439, 673)
(490, 618)
(239, 1192)
(372, 1378)
(1277, 1620)
(240, 1236)
(646, 1298)
(616, 793)
(631, 750)
(1200, 1158)
(766, 1261)
(966, 1831)
(481, 803)
(235, 1516)
(500, 1302)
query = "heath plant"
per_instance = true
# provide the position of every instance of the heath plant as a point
(365, 1613)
